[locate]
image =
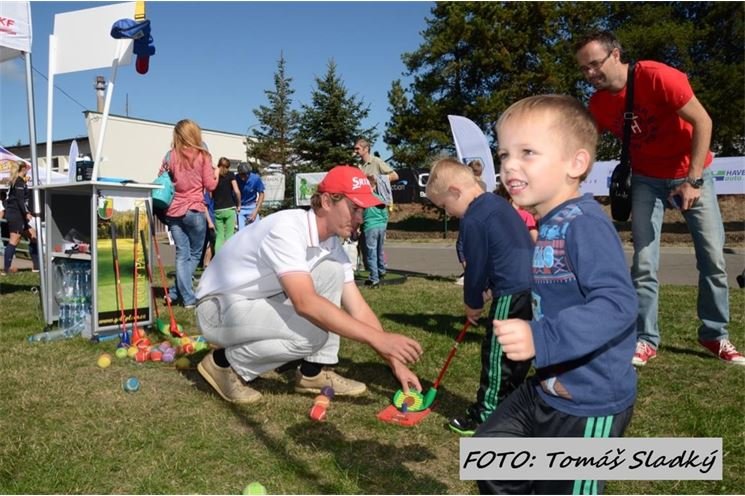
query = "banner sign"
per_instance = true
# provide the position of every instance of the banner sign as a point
(305, 185)
(15, 29)
(729, 176)
(274, 189)
(471, 144)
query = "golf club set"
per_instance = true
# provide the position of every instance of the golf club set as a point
(168, 329)
(74, 293)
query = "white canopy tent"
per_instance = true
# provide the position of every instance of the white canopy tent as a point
(15, 41)
(7, 160)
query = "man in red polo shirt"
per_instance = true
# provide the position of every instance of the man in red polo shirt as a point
(670, 159)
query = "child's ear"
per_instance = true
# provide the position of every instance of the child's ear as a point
(454, 189)
(580, 163)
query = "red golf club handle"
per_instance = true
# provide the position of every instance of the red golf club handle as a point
(454, 349)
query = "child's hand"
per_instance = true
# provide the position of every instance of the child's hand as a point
(473, 314)
(516, 338)
(486, 295)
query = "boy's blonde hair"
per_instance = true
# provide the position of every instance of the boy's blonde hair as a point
(572, 121)
(447, 172)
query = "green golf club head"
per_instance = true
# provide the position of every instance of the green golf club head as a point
(164, 328)
(429, 398)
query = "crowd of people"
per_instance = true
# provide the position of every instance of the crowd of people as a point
(545, 258)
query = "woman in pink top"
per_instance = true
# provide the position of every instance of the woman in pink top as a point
(191, 169)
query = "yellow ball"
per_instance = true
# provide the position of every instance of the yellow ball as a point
(132, 351)
(254, 488)
(104, 360)
(183, 363)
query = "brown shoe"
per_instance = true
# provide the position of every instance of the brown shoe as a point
(227, 382)
(341, 385)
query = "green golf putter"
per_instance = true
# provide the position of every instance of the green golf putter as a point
(416, 401)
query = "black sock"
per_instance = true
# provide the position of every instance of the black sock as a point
(310, 369)
(10, 251)
(220, 359)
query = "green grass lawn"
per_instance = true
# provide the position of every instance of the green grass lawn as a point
(66, 426)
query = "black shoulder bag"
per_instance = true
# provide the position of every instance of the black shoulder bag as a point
(620, 181)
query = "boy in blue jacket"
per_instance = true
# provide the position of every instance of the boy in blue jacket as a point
(583, 333)
(497, 251)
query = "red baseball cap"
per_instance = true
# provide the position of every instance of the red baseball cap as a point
(350, 182)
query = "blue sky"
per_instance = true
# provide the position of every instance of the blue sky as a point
(214, 60)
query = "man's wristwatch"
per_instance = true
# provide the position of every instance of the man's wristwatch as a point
(696, 183)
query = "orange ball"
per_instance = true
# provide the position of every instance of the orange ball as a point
(321, 400)
(156, 355)
(318, 413)
(142, 356)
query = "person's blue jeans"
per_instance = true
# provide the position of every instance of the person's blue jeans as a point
(245, 213)
(188, 234)
(649, 199)
(374, 239)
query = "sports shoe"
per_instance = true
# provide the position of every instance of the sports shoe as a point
(226, 382)
(724, 350)
(460, 281)
(465, 426)
(372, 284)
(342, 386)
(644, 353)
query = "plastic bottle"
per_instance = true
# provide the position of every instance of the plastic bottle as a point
(59, 334)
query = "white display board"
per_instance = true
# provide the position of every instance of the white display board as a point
(729, 176)
(83, 38)
(305, 185)
(274, 189)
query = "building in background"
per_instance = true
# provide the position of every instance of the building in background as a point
(133, 148)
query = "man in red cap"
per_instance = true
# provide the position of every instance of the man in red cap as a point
(283, 289)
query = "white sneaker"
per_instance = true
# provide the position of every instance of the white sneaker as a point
(341, 385)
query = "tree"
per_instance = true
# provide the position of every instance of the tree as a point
(477, 58)
(273, 141)
(330, 125)
(410, 145)
(705, 40)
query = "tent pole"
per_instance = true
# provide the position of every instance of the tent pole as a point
(121, 48)
(35, 182)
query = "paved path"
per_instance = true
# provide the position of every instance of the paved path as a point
(437, 258)
(677, 264)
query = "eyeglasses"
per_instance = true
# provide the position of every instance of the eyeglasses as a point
(595, 64)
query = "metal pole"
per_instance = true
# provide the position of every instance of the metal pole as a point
(35, 181)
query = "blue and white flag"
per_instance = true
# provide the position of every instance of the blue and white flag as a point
(471, 144)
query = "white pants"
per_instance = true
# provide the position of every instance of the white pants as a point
(261, 335)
